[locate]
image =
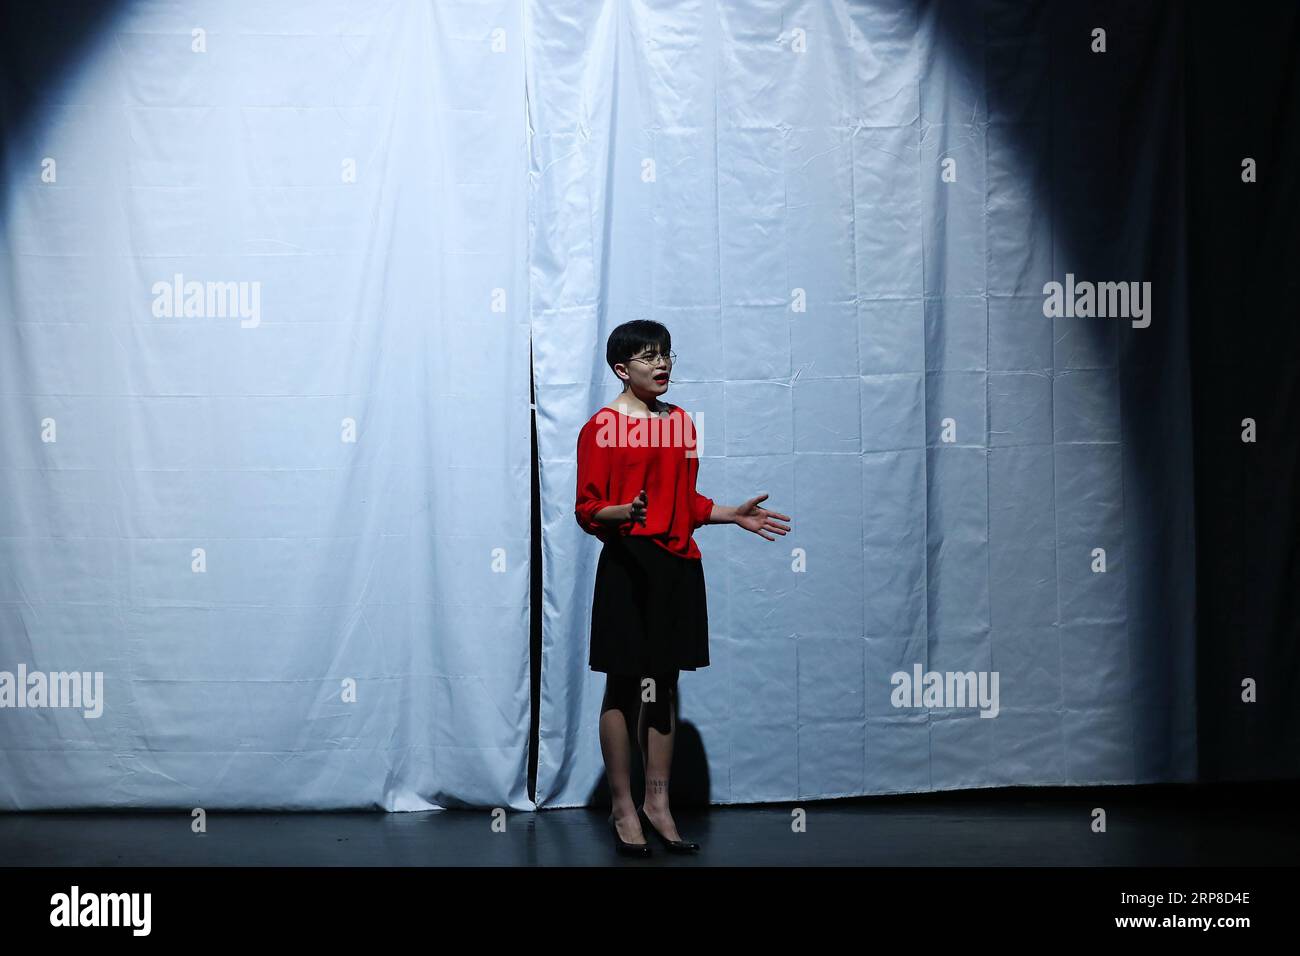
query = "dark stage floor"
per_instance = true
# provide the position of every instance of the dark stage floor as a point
(1221, 825)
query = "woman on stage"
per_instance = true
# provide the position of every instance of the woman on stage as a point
(637, 466)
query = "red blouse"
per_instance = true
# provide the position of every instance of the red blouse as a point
(618, 455)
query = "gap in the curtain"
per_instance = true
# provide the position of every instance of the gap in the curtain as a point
(534, 591)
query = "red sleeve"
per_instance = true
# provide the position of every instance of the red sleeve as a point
(593, 482)
(701, 507)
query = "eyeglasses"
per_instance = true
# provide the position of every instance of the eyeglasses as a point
(656, 358)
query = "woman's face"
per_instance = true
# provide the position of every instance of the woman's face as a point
(648, 374)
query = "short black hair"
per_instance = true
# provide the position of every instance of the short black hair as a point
(632, 337)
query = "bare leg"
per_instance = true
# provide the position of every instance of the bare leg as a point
(656, 728)
(616, 715)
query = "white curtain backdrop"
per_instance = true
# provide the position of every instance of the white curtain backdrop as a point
(863, 337)
(291, 538)
(270, 279)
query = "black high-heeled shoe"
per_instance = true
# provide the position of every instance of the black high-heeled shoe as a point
(629, 849)
(674, 846)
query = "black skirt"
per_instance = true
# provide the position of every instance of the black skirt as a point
(649, 613)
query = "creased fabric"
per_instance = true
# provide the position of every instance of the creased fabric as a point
(847, 215)
(280, 515)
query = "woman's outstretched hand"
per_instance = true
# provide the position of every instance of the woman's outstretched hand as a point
(759, 520)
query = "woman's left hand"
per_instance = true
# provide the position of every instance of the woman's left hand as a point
(759, 520)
